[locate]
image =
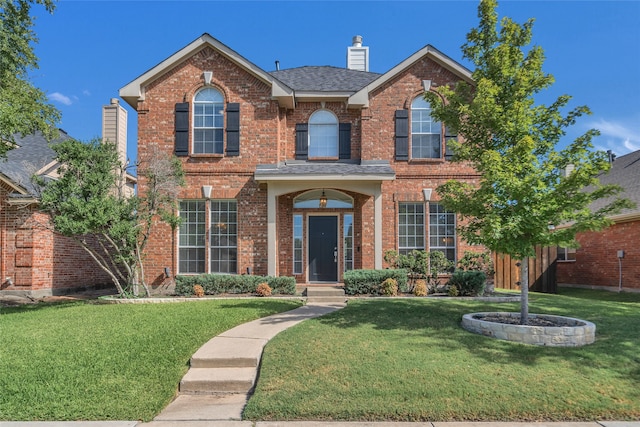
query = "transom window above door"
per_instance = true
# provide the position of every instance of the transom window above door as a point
(323, 135)
(331, 199)
(208, 122)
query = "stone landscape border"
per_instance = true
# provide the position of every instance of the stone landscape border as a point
(570, 332)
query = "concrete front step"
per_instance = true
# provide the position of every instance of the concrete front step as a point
(225, 352)
(218, 380)
(313, 291)
(325, 295)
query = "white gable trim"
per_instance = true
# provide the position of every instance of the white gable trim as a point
(361, 98)
(134, 91)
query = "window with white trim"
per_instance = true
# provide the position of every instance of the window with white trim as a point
(191, 237)
(208, 122)
(224, 236)
(442, 231)
(347, 245)
(426, 133)
(323, 134)
(297, 244)
(410, 227)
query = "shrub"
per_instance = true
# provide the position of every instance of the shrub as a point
(468, 283)
(367, 282)
(389, 287)
(477, 261)
(198, 291)
(453, 291)
(263, 289)
(215, 284)
(420, 288)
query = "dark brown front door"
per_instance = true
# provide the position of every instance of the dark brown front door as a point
(323, 249)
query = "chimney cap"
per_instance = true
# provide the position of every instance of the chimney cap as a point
(114, 101)
(357, 41)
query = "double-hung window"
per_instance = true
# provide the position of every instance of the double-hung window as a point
(426, 133)
(208, 122)
(566, 254)
(442, 231)
(221, 254)
(410, 227)
(323, 135)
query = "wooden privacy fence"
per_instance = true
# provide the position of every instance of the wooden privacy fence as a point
(542, 271)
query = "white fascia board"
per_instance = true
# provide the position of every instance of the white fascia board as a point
(9, 183)
(325, 178)
(361, 98)
(134, 91)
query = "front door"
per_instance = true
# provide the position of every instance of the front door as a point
(323, 248)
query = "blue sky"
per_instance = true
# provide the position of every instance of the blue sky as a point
(88, 49)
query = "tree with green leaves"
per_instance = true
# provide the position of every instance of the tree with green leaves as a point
(24, 109)
(89, 203)
(523, 192)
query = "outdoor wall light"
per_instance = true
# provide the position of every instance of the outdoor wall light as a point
(207, 77)
(206, 191)
(323, 200)
(167, 272)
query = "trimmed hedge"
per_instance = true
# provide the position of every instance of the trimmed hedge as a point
(469, 282)
(368, 282)
(215, 284)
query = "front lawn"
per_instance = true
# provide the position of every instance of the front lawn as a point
(80, 361)
(409, 360)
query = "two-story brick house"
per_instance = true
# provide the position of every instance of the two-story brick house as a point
(304, 172)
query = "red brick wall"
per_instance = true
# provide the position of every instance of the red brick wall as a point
(596, 260)
(37, 260)
(267, 136)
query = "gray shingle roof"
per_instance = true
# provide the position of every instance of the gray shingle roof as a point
(324, 79)
(33, 153)
(625, 172)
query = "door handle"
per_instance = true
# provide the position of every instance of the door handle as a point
(335, 255)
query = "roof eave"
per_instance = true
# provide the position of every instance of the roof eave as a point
(270, 177)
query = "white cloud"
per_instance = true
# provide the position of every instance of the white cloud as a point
(620, 136)
(86, 92)
(58, 97)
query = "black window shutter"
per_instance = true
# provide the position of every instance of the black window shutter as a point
(182, 129)
(449, 136)
(402, 135)
(302, 141)
(233, 129)
(344, 137)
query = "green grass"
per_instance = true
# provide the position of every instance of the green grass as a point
(80, 361)
(409, 360)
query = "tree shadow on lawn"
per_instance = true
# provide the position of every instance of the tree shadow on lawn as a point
(615, 346)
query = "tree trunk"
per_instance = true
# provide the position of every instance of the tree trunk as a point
(524, 291)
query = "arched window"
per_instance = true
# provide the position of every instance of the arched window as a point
(323, 134)
(208, 123)
(323, 199)
(426, 133)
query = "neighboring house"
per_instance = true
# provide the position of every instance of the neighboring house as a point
(305, 172)
(34, 261)
(596, 263)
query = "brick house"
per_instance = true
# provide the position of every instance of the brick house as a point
(305, 172)
(597, 262)
(34, 261)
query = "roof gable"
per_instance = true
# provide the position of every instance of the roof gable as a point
(135, 90)
(361, 98)
(625, 172)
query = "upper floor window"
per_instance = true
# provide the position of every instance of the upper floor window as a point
(323, 134)
(208, 122)
(426, 133)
